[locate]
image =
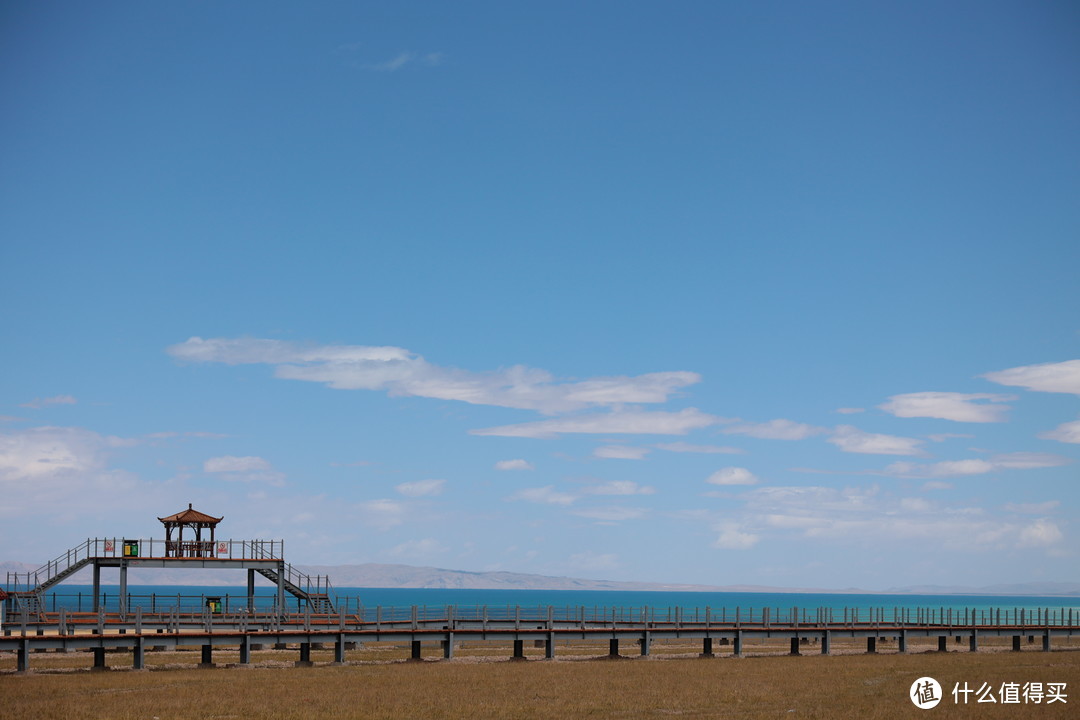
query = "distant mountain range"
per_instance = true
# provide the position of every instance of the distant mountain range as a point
(376, 575)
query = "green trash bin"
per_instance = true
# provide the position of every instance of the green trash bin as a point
(131, 548)
(213, 604)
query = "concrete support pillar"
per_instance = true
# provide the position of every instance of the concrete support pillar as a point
(794, 646)
(706, 648)
(943, 643)
(448, 647)
(415, 650)
(737, 649)
(305, 655)
(902, 641)
(138, 658)
(1016, 643)
(549, 651)
(973, 642)
(245, 650)
(1046, 642)
(613, 647)
(207, 656)
(871, 644)
(646, 644)
(826, 642)
(99, 659)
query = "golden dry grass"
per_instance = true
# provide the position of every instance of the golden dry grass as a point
(481, 683)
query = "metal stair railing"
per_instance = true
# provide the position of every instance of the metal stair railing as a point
(53, 571)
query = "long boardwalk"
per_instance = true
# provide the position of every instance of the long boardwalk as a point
(139, 631)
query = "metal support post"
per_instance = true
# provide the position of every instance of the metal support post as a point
(795, 646)
(1046, 641)
(706, 648)
(903, 641)
(737, 649)
(1016, 643)
(549, 650)
(415, 650)
(305, 655)
(448, 647)
(339, 650)
(871, 644)
(613, 647)
(943, 643)
(138, 656)
(99, 659)
(207, 656)
(973, 642)
(123, 590)
(22, 663)
(251, 590)
(826, 642)
(519, 650)
(97, 587)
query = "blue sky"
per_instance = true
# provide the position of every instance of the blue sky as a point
(766, 293)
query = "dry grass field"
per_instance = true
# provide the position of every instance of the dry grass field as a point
(481, 682)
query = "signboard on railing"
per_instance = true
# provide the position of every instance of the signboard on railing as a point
(110, 546)
(222, 548)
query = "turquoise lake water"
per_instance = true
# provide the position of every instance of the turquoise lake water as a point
(190, 597)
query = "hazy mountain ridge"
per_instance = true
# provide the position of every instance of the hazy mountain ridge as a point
(409, 576)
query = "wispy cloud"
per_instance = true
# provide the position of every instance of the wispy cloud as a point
(775, 430)
(732, 537)
(732, 476)
(244, 469)
(619, 487)
(850, 411)
(403, 59)
(628, 421)
(852, 440)
(398, 371)
(517, 464)
(38, 403)
(421, 488)
(546, 495)
(621, 452)
(976, 466)
(611, 514)
(682, 447)
(1062, 377)
(1066, 432)
(959, 407)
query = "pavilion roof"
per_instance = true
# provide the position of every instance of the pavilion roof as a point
(191, 517)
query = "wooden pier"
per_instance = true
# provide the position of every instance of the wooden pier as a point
(514, 627)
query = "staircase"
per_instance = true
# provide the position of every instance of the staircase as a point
(315, 591)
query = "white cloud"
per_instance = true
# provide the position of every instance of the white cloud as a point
(1062, 377)
(937, 485)
(682, 447)
(623, 421)
(942, 437)
(850, 411)
(619, 487)
(231, 464)
(514, 465)
(732, 476)
(611, 513)
(1041, 533)
(621, 452)
(733, 538)
(46, 452)
(852, 440)
(38, 403)
(1066, 432)
(401, 60)
(775, 430)
(400, 372)
(546, 495)
(959, 407)
(421, 488)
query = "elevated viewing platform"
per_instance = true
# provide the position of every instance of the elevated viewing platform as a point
(25, 590)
